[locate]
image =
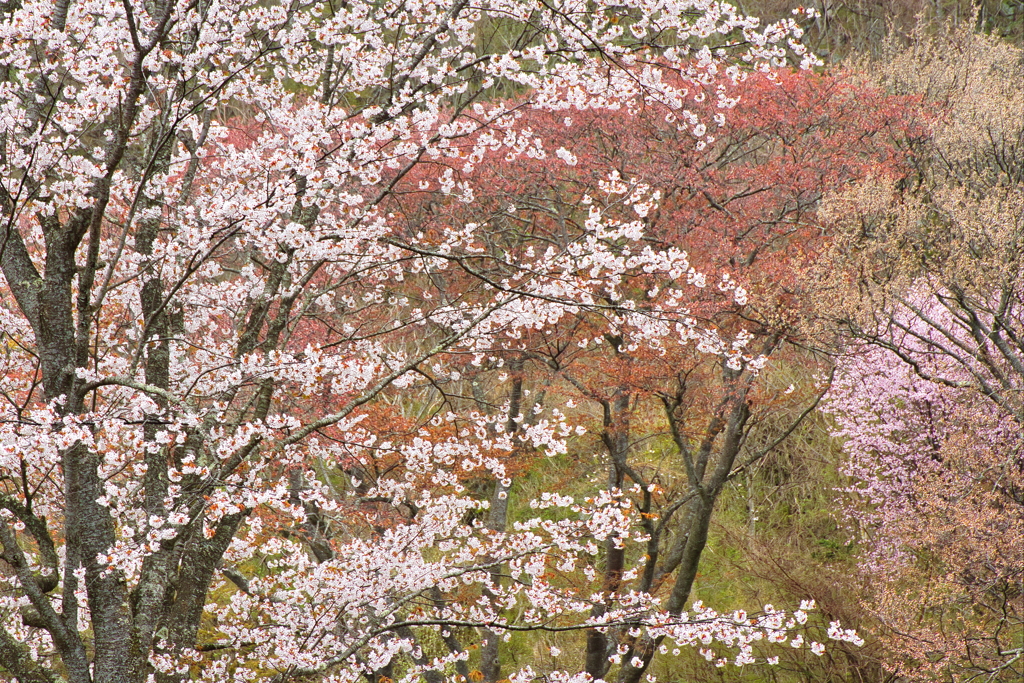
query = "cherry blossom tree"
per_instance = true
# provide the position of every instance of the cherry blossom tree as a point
(936, 475)
(206, 298)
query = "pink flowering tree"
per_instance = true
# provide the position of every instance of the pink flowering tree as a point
(936, 476)
(208, 308)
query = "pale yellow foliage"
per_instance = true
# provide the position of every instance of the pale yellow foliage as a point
(956, 225)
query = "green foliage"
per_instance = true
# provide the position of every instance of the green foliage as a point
(778, 538)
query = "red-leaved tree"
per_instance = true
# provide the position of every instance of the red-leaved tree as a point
(744, 196)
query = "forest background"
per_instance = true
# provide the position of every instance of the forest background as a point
(471, 374)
